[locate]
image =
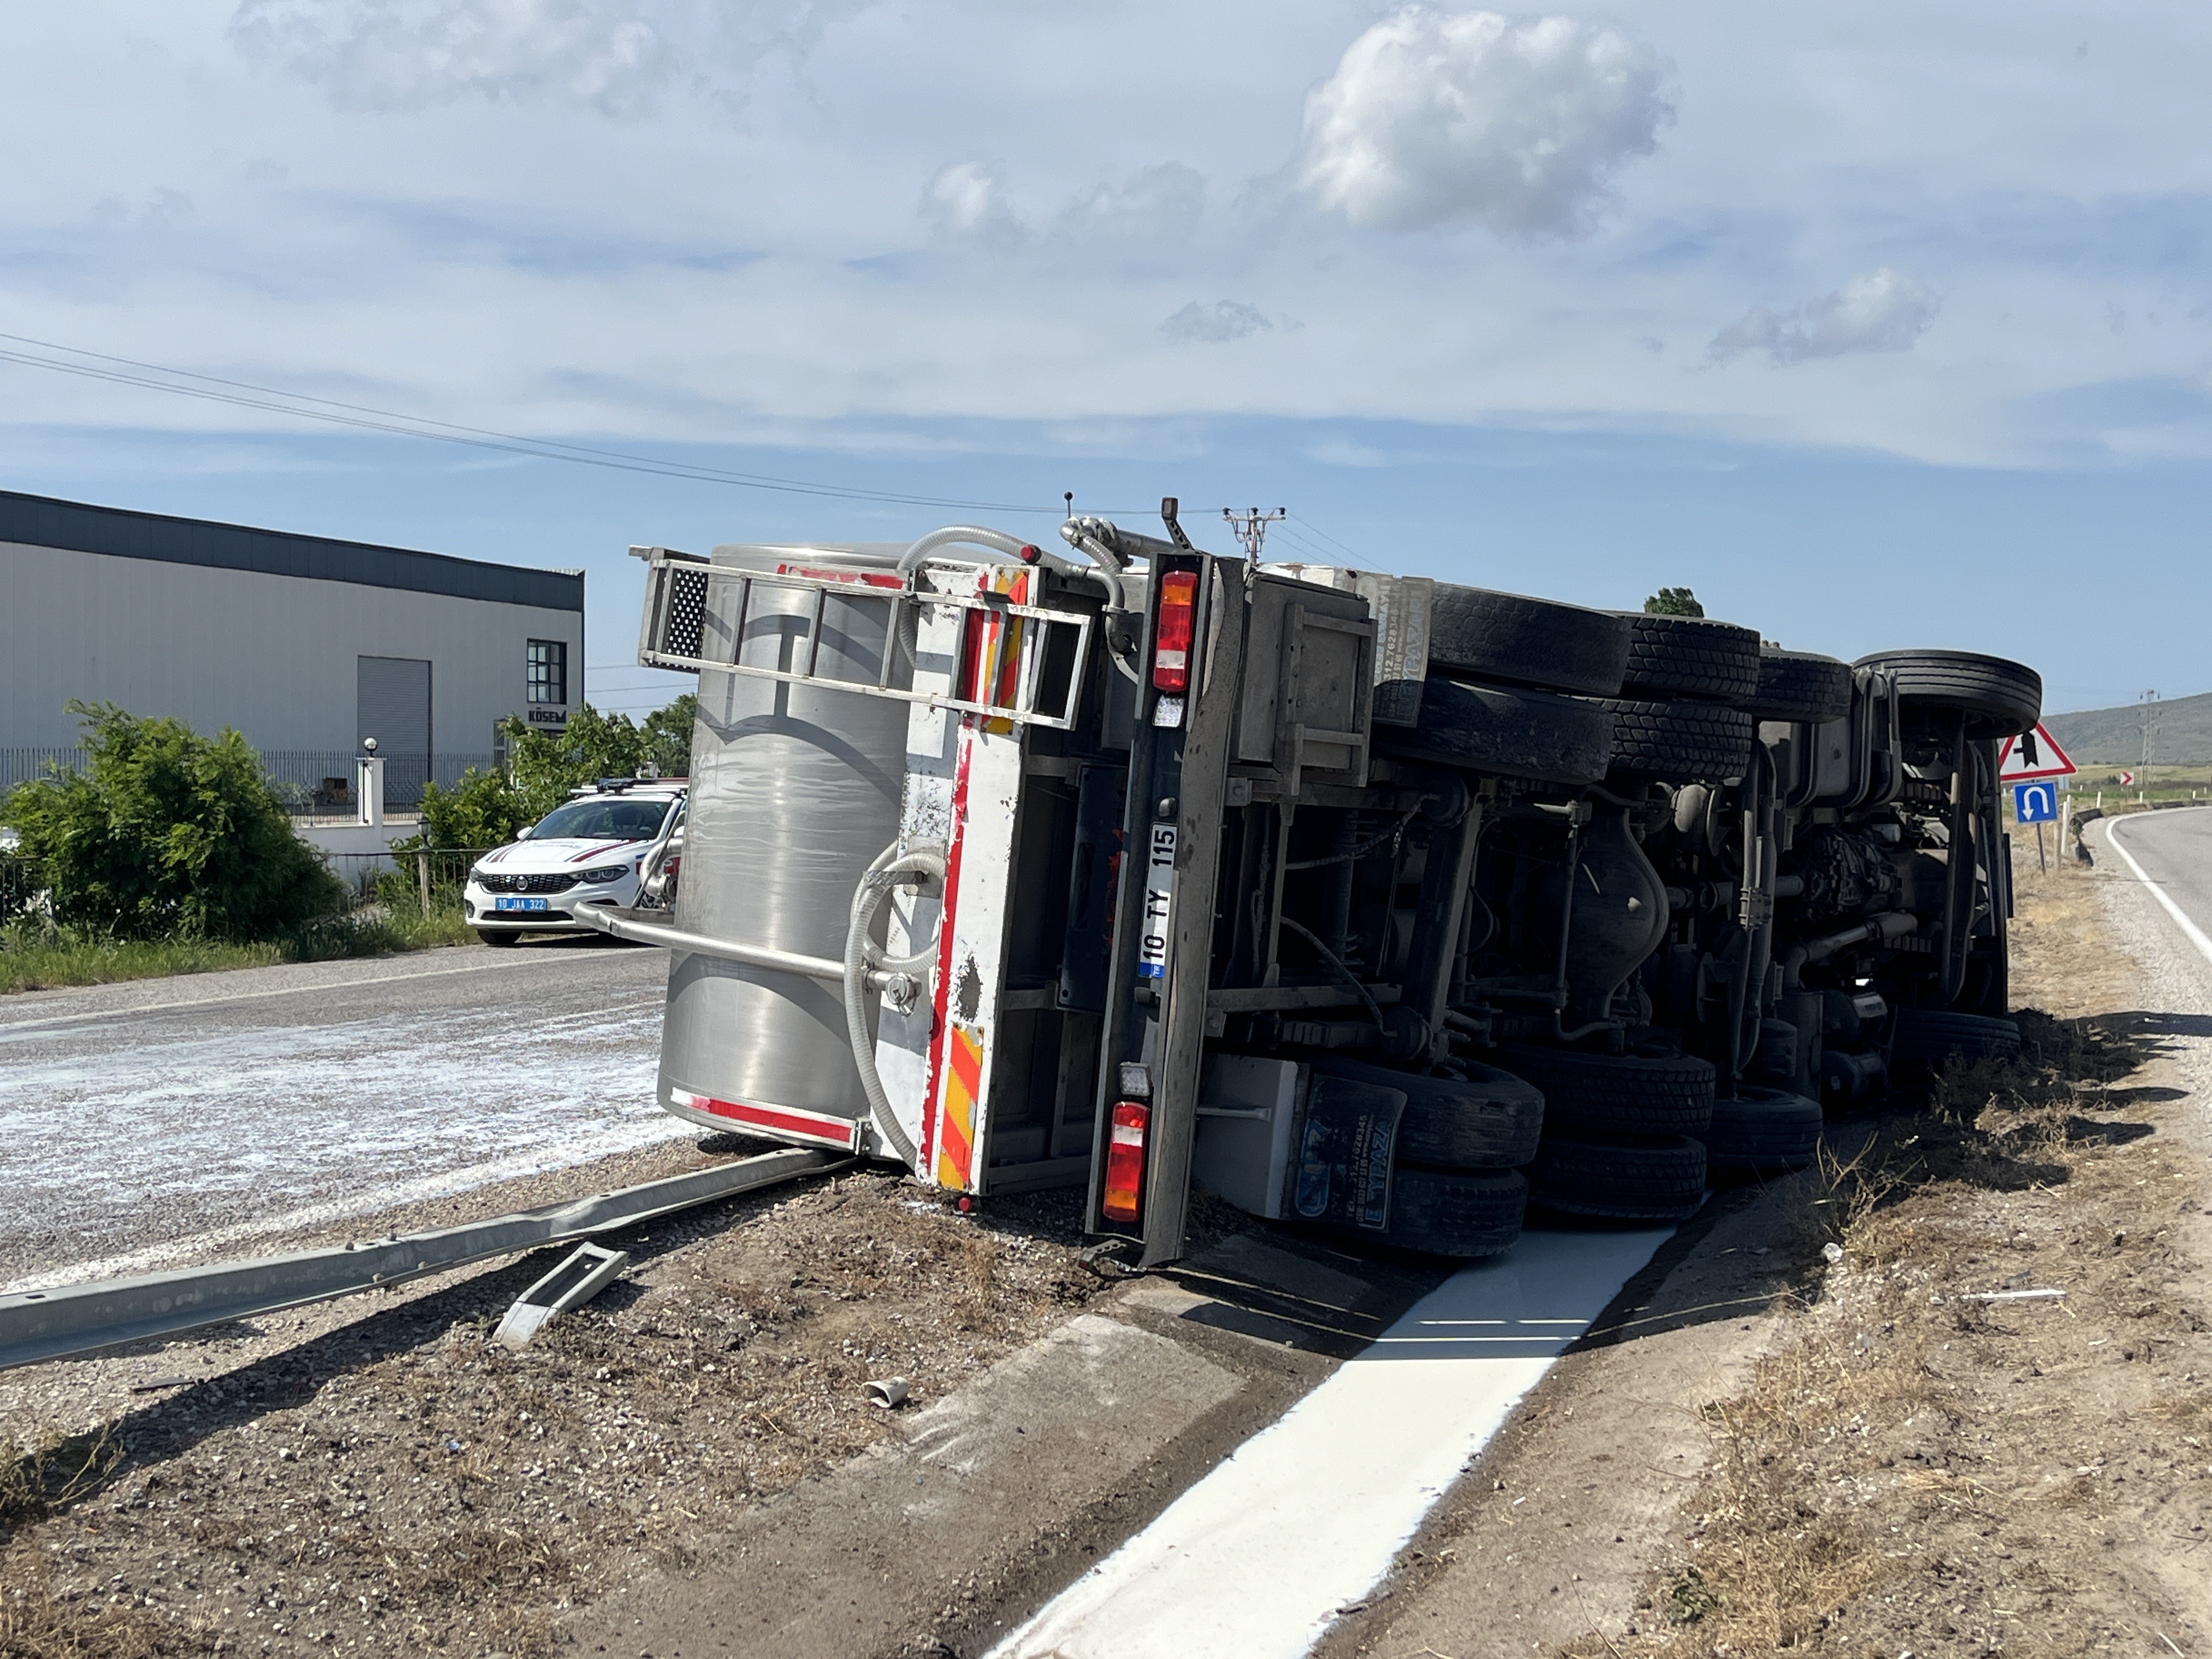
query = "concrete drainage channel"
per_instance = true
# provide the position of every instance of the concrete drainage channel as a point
(1307, 1517)
(1224, 1456)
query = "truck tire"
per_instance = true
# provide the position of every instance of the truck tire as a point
(1762, 1132)
(1929, 1036)
(1444, 1212)
(1490, 1121)
(2001, 698)
(1680, 742)
(1526, 734)
(1648, 1178)
(1799, 685)
(500, 936)
(1616, 1094)
(1504, 636)
(1690, 657)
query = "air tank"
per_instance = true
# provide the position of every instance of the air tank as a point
(795, 789)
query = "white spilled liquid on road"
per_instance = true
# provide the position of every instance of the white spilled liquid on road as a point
(1258, 1557)
(111, 1161)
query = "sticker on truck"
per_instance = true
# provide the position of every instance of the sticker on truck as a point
(1159, 903)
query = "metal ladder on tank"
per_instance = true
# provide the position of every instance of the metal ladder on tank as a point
(674, 635)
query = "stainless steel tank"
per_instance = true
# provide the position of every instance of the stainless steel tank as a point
(794, 791)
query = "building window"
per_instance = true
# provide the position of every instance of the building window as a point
(549, 671)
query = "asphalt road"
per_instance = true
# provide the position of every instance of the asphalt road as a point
(135, 1118)
(2172, 854)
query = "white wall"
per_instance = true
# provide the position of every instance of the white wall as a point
(273, 656)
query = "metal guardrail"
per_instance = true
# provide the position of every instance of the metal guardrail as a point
(74, 1320)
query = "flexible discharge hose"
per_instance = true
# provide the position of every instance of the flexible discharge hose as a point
(890, 869)
(964, 534)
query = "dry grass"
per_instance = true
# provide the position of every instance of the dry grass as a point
(1909, 1467)
(36, 1480)
(35, 1624)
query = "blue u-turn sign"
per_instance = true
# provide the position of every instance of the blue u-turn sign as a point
(2035, 803)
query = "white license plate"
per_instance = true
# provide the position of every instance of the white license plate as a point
(1159, 903)
(518, 904)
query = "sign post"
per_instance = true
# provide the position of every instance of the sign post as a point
(2032, 762)
(2036, 804)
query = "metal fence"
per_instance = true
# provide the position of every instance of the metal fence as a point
(21, 765)
(403, 877)
(312, 782)
(18, 882)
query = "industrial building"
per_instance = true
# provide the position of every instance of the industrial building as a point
(306, 646)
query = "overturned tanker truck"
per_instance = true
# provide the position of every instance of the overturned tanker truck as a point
(1377, 902)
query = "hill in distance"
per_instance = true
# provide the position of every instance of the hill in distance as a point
(2113, 737)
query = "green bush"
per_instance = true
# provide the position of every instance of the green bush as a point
(167, 834)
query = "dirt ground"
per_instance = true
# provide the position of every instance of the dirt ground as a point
(1758, 1450)
(403, 1483)
(1899, 1453)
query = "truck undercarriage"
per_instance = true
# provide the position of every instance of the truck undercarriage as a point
(1381, 903)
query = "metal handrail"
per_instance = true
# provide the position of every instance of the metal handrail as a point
(631, 925)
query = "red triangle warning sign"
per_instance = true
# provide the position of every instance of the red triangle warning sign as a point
(2034, 754)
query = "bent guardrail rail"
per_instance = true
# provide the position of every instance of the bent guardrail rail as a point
(73, 1320)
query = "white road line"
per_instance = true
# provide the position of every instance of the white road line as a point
(10, 1028)
(2196, 935)
(1256, 1559)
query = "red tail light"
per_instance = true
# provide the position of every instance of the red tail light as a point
(1125, 1159)
(1172, 638)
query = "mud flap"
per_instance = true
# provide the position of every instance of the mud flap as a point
(1346, 1137)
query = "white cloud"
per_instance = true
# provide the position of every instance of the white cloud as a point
(1155, 206)
(1435, 118)
(1222, 321)
(613, 56)
(966, 202)
(504, 255)
(1882, 311)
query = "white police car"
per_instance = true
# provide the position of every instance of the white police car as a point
(591, 849)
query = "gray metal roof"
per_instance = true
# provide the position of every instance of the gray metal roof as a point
(42, 522)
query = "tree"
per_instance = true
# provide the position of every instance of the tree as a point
(1673, 602)
(168, 832)
(668, 736)
(482, 810)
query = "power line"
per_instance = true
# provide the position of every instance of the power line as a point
(1249, 528)
(414, 426)
(1309, 525)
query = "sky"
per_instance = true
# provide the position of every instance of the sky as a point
(1878, 325)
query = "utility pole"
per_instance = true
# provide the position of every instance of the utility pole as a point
(2148, 720)
(1251, 528)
